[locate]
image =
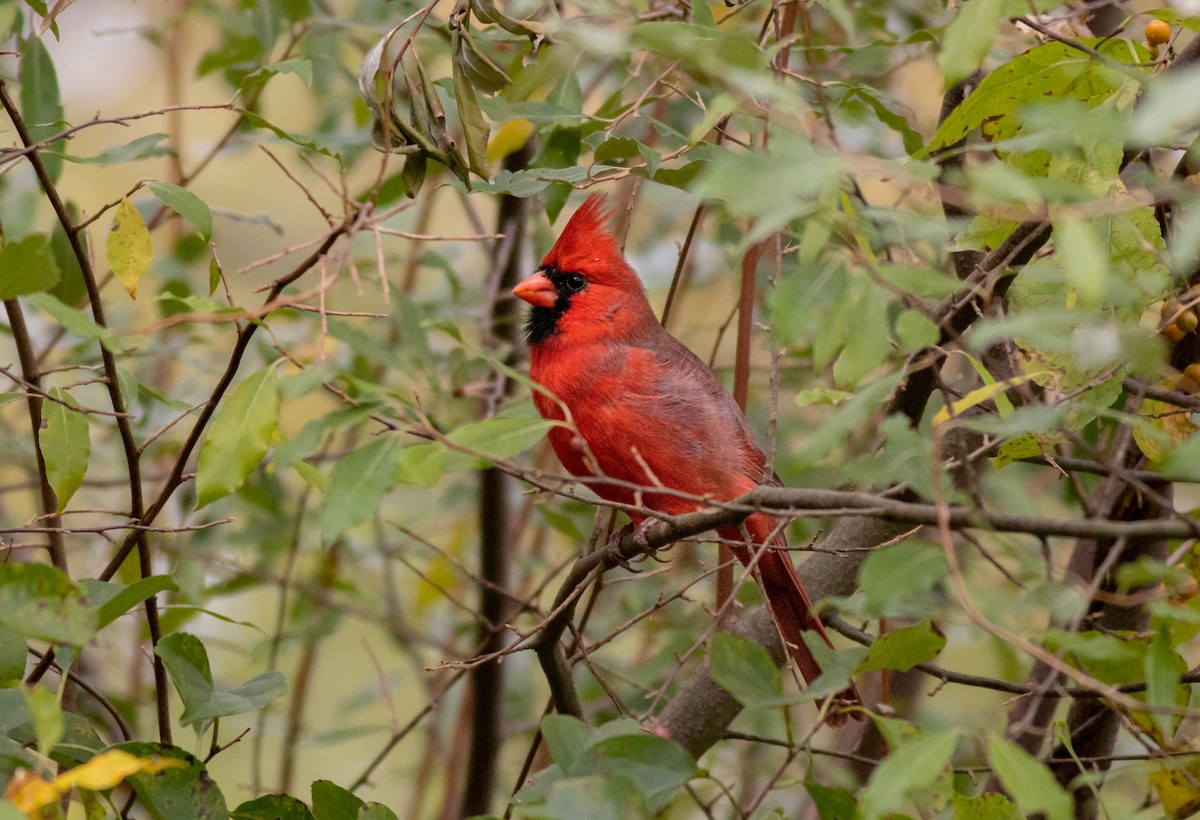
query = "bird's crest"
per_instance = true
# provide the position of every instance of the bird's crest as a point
(587, 246)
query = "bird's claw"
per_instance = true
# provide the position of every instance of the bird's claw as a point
(641, 536)
(640, 540)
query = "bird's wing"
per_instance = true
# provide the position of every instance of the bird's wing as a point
(665, 403)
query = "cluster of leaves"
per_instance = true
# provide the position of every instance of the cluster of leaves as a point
(304, 449)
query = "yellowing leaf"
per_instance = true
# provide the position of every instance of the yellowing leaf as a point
(508, 138)
(129, 250)
(976, 397)
(438, 578)
(28, 792)
(1169, 428)
(109, 768)
(1177, 790)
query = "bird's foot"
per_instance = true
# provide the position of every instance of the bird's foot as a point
(640, 540)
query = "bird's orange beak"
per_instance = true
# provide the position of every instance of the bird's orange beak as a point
(537, 290)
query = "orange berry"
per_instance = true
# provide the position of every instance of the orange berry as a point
(1187, 588)
(1173, 334)
(1169, 308)
(1187, 321)
(1157, 33)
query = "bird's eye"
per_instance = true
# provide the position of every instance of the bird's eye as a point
(575, 282)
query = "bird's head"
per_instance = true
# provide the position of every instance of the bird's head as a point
(583, 281)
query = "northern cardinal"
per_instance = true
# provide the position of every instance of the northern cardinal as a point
(649, 413)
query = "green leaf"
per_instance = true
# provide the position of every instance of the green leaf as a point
(1163, 670)
(1111, 658)
(1046, 71)
(903, 648)
(41, 103)
(868, 346)
(596, 797)
(421, 464)
(47, 717)
(13, 651)
(1029, 783)
(114, 600)
(376, 811)
(70, 288)
(272, 807)
(922, 566)
(478, 68)
(968, 39)
(214, 275)
(837, 667)
(75, 321)
(257, 121)
(331, 802)
(185, 203)
(1084, 259)
(744, 669)
(654, 767)
(990, 806)
(187, 660)
(240, 435)
(37, 601)
(832, 804)
(139, 148)
(177, 792)
(66, 446)
(821, 396)
(913, 767)
(657, 765)
(501, 437)
(475, 127)
(915, 331)
(27, 266)
(300, 68)
(358, 484)
(567, 739)
(129, 249)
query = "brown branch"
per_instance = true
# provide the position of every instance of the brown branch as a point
(31, 377)
(129, 446)
(175, 478)
(495, 540)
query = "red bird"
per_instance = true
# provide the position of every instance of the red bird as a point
(648, 412)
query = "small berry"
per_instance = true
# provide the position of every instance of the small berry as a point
(1157, 33)
(1187, 588)
(1187, 321)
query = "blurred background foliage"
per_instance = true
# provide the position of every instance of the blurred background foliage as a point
(300, 220)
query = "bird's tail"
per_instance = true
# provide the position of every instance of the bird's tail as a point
(794, 614)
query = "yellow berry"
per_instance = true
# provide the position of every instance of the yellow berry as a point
(1173, 334)
(1157, 33)
(1187, 321)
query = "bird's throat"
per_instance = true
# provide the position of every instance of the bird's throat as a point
(543, 321)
